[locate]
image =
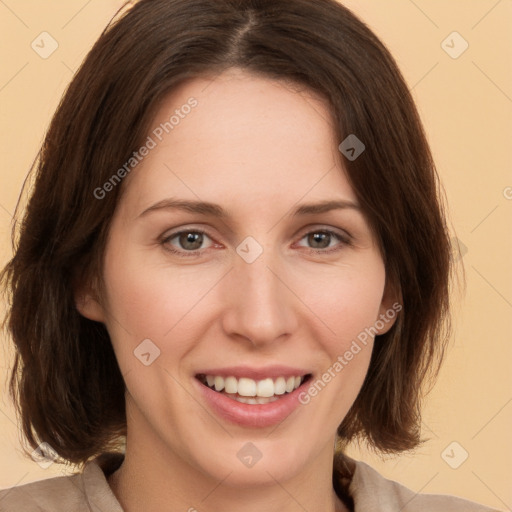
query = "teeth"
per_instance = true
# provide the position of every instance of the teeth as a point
(257, 400)
(250, 391)
(280, 386)
(219, 383)
(230, 385)
(265, 388)
(246, 387)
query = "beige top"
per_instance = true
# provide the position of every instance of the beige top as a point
(89, 491)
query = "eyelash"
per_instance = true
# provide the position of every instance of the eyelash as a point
(345, 241)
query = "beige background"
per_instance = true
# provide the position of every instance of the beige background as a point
(466, 105)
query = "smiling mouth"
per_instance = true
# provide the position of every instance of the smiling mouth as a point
(249, 391)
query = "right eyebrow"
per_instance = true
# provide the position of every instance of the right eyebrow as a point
(201, 207)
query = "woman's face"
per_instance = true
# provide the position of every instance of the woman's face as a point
(258, 285)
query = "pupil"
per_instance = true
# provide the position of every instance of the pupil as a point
(319, 237)
(191, 238)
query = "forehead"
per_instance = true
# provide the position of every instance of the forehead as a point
(245, 137)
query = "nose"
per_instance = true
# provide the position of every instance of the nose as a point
(260, 304)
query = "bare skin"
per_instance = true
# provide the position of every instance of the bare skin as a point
(259, 150)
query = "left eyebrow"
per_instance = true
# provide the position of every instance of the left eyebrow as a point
(215, 210)
(325, 206)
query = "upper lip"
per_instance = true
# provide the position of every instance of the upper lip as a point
(249, 372)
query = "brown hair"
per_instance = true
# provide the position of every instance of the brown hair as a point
(66, 383)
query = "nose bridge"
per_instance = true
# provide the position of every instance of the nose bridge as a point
(260, 306)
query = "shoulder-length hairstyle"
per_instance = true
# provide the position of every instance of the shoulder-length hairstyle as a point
(65, 381)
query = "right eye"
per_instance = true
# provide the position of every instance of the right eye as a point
(185, 243)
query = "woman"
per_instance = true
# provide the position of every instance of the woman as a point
(235, 261)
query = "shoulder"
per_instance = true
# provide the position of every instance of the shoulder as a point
(372, 491)
(57, 493)
(81, 492)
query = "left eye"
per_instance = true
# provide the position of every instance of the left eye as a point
(321, 239)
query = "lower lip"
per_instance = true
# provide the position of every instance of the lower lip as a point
(248, 415)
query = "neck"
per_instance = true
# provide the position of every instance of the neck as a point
(133, 497)
(153, 477)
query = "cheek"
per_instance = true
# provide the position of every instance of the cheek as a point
(148, 298)
(349, 304)
(134, 298)
(347, 299)
(137, 303)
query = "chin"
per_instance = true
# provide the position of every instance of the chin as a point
(256, 463)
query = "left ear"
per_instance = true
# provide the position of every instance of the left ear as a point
(389, 309)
